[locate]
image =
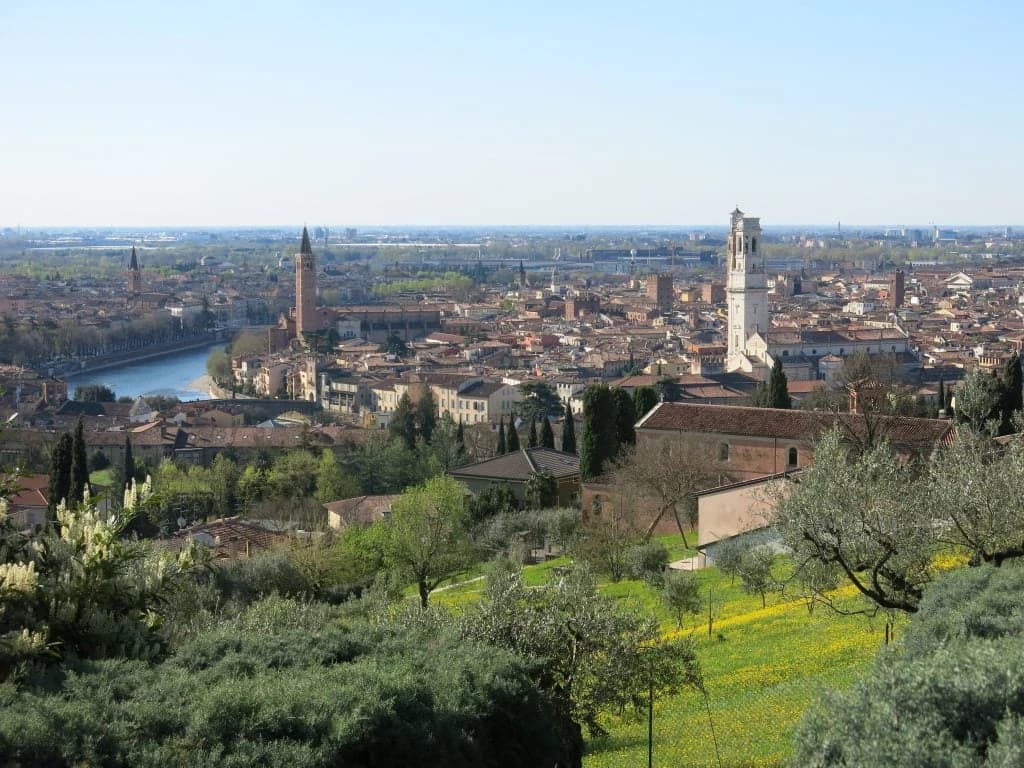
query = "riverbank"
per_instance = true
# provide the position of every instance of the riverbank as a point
(94, 364)
(179, 375)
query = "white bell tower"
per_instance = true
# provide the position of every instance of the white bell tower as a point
(746, 288)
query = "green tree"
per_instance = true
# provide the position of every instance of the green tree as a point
(426, 415)
(775, 392)
(644, 399)
(224, 482)
(128, 467)
(600, 443)
(569, 431)
(756, 572)
(427, 535)
(332, 481)
(395, 346)
(669, 390)
(596, 656)
(866, 513)
(547, 435)
(95, 393)
(403, 422)
(625, 418)
(539, 400)
(531, 440)
(513, 436)
(218, 365)
(60, 474)
(1010, 401)
(975, 492)
(680, 592)
(977, 400)
(502, 447)
(79, 483)
(542, 491)
(447, 445)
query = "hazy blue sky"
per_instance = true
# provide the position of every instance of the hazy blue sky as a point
(481, 112)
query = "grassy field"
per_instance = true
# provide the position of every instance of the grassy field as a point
(762, 668)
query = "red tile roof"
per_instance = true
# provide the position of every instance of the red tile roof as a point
(789, 425)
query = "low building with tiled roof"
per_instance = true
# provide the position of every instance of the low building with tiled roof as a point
(743, 442)
(359, 510)
(519, 467)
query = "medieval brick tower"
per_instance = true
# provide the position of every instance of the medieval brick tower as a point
(306, 319)
(746, 288)
(134, 274)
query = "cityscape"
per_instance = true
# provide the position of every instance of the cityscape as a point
(488, 457)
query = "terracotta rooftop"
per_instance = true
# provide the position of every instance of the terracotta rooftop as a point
(788, 424)
(522, 465)
(361, 509)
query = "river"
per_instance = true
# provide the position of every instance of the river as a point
(173, 375)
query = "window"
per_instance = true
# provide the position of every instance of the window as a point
(785, 353)
(723, 452)
(794, 455)
(753, 245)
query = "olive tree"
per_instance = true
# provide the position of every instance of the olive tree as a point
(866, 513)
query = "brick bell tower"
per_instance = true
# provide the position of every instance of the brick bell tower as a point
(306, 319)
(134, 275)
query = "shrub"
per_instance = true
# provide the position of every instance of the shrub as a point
(648, 562)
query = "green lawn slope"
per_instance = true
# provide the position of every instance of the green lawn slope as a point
(762, 667)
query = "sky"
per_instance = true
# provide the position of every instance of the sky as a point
(350, 113)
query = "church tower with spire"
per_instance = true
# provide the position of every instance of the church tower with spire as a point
(306, 318)
(134, 275)
(746, 287)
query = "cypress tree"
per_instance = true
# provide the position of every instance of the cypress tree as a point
(60, 473)
(128, 472)
(426, 416)
(1010, 393)
(460, 435)
(513, 436)
(403, 422)
(775, 392)
(600, 438)
(547, 435)
(79, 466)
(644, 398)
(625, 418)
(531, 439)
(501, 436)
(942, 395)
(568, 431)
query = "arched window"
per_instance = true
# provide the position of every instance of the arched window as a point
(793, 457)
(753, 245)
(723, 452)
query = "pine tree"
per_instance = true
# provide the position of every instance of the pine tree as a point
(128, 470)
(79, 466)
(547, 435)
(426, 416)
(60, 473)
(403, 422)
(502, 448)
(568, 431)
(513, 436)
(625, 418)
(531, 439)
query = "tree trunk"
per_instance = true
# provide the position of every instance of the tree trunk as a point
(424, 594)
